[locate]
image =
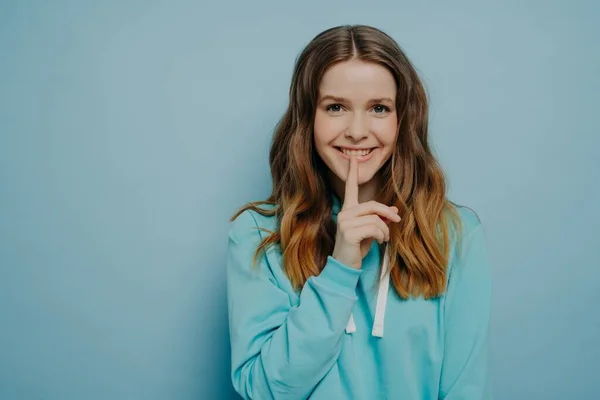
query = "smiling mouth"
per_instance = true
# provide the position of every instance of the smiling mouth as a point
(357, 153)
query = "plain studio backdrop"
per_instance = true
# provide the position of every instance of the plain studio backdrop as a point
(132, 130)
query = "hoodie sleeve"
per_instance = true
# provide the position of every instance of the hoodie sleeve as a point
(279, 350)
(465, 368)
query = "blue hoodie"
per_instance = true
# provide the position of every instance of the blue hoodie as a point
(327, 341)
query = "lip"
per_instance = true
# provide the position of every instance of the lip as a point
(360, 159)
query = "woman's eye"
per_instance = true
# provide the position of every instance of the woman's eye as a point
(380, 109)
(334, 107)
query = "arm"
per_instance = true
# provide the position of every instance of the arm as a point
(465, 367)
(279, 350)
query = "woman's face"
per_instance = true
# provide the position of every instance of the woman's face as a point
(356, 114)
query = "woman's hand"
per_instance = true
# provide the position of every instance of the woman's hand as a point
(359, 224)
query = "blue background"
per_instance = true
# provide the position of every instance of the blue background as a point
(131, 131)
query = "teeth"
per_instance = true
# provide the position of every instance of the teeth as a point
(355, 152)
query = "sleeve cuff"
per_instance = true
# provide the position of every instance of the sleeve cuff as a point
(339, 277)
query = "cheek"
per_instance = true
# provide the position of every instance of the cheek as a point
(386, 135)
(387, 130)
(326, 130)
(320, 139)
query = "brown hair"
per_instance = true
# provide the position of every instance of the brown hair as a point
(412, 178)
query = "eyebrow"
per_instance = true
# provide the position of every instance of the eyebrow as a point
(344, 100)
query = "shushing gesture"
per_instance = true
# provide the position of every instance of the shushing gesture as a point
(359, 224)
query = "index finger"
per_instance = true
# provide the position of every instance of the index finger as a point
(351, 194)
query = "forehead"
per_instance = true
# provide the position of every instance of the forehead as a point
(355, 79)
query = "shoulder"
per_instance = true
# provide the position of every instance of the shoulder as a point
(246, 235)
(251, 223)
(471, 239)
(469, 219)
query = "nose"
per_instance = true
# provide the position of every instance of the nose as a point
(357, 128)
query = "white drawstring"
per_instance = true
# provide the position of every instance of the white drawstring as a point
(382, 295)
(351, 326)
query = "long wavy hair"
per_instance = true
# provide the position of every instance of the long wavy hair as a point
(412, 178)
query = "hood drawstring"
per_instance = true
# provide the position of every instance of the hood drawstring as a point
(382, 295)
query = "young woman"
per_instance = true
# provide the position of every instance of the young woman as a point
(358, 208)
